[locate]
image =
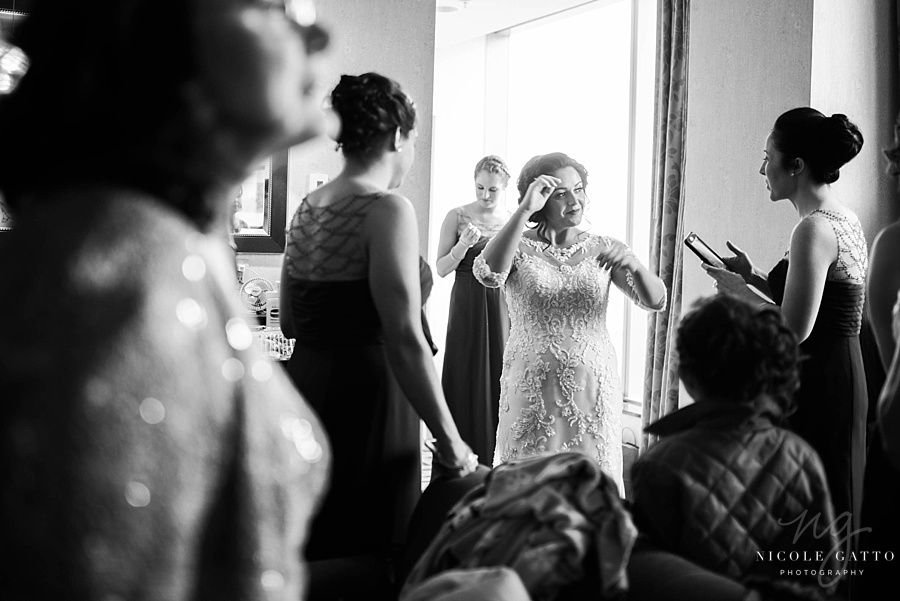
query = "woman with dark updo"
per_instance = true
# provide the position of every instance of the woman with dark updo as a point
(351, 299)
(819, 285)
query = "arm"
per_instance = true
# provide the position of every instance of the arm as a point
(285, 318)
(882, 284)
(452, 247)
(392, 241)
(644, 288)
(813, 250)
(499, 253)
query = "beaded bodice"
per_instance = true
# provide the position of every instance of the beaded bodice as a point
(488, 230)
(853, 256)
(325, 243)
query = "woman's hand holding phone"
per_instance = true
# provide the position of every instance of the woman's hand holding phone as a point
(740, 263)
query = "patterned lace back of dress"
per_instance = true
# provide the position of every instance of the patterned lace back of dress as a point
(488, 230)
(325, 243)
(853, 255)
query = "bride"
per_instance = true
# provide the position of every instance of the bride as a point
(560, 385)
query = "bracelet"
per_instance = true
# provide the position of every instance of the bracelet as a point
(458, 471)
(454, 256)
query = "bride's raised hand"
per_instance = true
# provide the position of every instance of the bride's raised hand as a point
(538, 192)
(740, 263)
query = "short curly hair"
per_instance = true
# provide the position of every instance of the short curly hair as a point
(371, 107)
(734, 351)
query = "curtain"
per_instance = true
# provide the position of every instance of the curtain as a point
(661, 377)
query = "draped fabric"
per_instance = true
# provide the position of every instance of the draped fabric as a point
(661, 378)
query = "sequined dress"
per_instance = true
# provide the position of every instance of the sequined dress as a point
(148, 450)
(832, 400)
(477, 329)
(340, 365)
(560, 387)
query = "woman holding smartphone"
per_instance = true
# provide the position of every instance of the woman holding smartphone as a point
(820, 287)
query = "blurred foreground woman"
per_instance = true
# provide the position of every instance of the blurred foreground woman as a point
(147, 450)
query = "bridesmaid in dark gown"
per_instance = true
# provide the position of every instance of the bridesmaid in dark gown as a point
(351, 299)
(478, 325)
(819, 286)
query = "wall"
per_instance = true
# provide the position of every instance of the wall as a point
(396, 39)
(749, 62)
(854, 66)
(460, 92)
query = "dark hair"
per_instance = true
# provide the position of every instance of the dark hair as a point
(105, 99)
(824, 143)
(100, 87)
(736, 352)
(492, 164)
(540, 165)
(371, 108)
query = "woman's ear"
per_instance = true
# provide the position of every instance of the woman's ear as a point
(797, 166)
(398, 140)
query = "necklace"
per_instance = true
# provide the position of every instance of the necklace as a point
(563, 254)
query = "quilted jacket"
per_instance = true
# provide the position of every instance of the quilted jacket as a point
(728, 489)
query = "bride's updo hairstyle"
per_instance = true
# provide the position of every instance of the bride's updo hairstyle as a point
(734, 352)
(371, 107)
(824, 143)
(545, 164)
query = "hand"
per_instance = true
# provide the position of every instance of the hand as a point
(726, 281)
(538, 192)
(618, 257)
(456, 461)
(740, 263)
(470, 235)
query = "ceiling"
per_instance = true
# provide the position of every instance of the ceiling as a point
(460, 20)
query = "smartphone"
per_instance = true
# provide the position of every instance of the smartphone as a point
(702, 250)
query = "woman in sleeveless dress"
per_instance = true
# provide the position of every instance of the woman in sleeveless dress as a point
(351, 299)
(479, 323)
(560, 385)
(819, 285)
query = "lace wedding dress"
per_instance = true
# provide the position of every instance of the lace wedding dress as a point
(560, 386)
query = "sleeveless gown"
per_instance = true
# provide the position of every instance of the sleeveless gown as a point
(477, 329)
(560, 386)
(832, 401)
(339, 364)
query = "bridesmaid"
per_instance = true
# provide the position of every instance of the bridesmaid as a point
(479, 324)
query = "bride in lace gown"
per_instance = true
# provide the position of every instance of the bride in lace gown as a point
(560, 386)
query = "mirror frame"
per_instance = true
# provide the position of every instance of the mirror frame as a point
(11, 9)
(271, 240)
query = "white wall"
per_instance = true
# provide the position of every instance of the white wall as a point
(394, 38)
(854, 66)
(459, 141)
(749, 62)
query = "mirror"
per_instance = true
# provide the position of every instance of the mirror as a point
(260, 207)
(10, 70)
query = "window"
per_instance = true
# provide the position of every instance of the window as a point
(582, 82)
